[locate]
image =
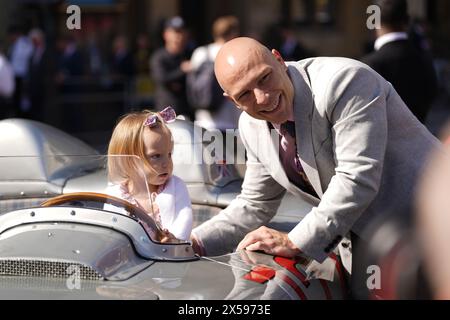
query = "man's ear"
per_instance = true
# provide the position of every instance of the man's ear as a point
(231, 99)
(278, 56)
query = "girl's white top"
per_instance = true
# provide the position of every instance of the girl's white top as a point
(173, 202)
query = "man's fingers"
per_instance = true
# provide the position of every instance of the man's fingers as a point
(260, 234)
(243, 244)
(248, 240)
(254, 246)
(270, 241)
(260, 246)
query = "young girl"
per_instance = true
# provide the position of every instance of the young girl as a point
(145, 135)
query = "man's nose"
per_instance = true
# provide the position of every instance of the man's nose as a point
(261, 96)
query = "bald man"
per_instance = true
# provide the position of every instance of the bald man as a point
(328, 130)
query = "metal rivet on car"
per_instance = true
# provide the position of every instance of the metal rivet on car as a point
(50, 234)
(45, 192)
(32, 214)
(76, 251)
(114, 219)
(164, 250)
(72, 212)
(22, 193)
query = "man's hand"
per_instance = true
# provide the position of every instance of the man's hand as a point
(270, 241)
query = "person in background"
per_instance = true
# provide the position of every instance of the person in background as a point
(144, 85)
(123, 61)
(95, 59)
(6, 86)
(38, 77)
(401, 62)
(19, 56)
(143, 54)
(283, 37)
(169, 66)
(69, 70)
(223, 116)
(291, 48)
(122, 71)
(70, 62)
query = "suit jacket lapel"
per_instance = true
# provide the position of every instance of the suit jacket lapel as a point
(303, 112)
(274, 162)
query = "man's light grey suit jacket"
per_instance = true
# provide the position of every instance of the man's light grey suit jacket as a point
(360, 146)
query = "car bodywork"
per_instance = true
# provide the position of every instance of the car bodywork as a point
(72, 250)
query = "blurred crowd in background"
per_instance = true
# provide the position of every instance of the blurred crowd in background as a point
(82, 81)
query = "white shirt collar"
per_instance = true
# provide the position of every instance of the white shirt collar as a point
(390, 37)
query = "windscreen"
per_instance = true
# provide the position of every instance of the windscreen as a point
(118, 184)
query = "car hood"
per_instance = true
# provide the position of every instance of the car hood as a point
(236, 276)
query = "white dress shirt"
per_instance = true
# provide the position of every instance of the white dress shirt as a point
(174, 206)
(21, 52)
(389, 37)
(6, 78)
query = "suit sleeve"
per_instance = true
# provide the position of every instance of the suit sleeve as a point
(257, 203)
(356, 110)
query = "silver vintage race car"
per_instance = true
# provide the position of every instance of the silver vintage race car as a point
(63, 236)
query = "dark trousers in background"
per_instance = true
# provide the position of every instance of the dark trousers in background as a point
(17, 97)
(5, 108)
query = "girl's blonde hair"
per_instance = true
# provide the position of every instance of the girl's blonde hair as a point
(127, 140)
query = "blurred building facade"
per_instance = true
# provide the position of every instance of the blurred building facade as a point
(330, 27)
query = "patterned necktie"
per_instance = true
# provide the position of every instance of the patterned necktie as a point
(288, 128)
